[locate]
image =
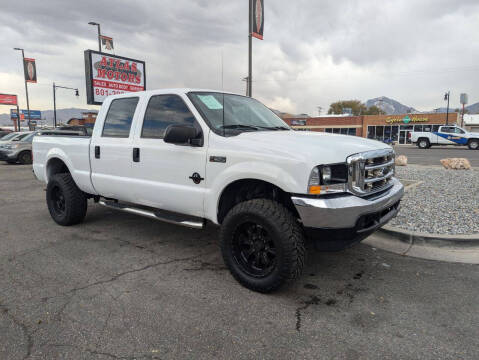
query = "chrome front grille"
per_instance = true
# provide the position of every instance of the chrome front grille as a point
(370, 172)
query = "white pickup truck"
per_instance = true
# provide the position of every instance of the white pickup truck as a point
(190, 156)
(446, 135)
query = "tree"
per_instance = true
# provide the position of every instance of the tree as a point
(356, 106)
(374, 110)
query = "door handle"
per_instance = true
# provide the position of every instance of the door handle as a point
(97, 152)
(136, 154)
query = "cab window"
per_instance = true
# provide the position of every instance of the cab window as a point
(119, 117)
(163, 111)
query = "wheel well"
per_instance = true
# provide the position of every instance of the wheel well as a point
(56, 166)
(469, 140)
(248, 189)
(423, 138)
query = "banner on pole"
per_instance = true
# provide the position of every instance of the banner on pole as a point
(30, 70)
(106, 42)
(258, 19)
(7, 99)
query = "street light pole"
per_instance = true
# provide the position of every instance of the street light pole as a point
(99, 33)
(446, 97)
(55, 101)
(26, 89)
(250, 50)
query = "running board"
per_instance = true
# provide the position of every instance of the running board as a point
(162, 215)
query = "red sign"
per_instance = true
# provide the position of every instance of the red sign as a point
(30, 70)
(6, 99)
(258, 19)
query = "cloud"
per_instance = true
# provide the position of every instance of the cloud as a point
(315, 51)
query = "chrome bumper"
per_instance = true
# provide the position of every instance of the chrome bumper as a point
(345, 210)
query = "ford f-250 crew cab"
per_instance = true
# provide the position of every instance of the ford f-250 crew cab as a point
(187, 156)
(447, 135)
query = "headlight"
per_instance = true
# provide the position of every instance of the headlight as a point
(327, 179)
(11, 146)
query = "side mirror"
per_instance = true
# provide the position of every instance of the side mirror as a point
(180, 134)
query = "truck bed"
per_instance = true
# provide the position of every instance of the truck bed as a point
(77, 147)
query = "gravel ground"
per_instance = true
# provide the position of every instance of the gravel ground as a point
(447, 202)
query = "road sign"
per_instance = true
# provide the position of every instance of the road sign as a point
(34, 114)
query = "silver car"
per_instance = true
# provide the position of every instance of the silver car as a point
(18, 149)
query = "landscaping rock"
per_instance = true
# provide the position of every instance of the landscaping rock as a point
(456, 163)
(401, 160)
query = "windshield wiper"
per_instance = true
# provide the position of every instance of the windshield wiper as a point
(274, 127)
(239, 127)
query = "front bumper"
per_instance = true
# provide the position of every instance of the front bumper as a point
(336, 223)
(6, 155)
(344, 211)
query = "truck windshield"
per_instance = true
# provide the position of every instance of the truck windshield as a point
(232, 114)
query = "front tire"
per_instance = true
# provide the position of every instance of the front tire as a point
(66, 202)
(473, 144)
(25, 157)
(262, 245)
(423, 143)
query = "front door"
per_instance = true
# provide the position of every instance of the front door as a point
(167, 176)
(110, 150)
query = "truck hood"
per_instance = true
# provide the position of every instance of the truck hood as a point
(306, 146)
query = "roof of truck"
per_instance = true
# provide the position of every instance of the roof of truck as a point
(171, 91)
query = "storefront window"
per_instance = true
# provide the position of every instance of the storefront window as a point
(435, 128)
(336, 131)
(371, 132)
(418, 128)
(352, 131)
(407, 127)
(387, 132)
(344, 131)
(379, 133)
(394, 133)
(329, 130)
(426, 128)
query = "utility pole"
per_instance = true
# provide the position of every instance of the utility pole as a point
(26, 90)
(99, 33)
(250, 50)
(446, 97)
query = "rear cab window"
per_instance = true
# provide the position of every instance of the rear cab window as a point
(119, 118)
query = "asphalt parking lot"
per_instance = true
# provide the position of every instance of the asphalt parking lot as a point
(433, 155)
(120, 286)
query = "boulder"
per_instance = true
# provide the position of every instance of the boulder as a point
(456, 163)
(401, 160)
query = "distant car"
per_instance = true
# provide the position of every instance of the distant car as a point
(4, 132)
(14, 136)
(447, 135)
(19, 149)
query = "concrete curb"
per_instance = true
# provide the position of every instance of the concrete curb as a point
(451, 248)
(436, 240)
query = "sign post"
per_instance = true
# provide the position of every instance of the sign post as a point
(256, 28)
(464, 99)
(108, 74)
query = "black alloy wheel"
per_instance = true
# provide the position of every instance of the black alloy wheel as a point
(58, 201)
(254, 250)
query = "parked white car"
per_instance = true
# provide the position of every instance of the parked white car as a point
(447, 135)
(191, 156)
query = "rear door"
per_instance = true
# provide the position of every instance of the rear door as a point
(449, 135)
(168, 176)
(111, 147)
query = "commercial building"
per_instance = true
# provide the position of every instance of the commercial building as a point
(386, 128)
(88, 119)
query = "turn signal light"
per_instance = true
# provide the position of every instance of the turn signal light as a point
(315, 190)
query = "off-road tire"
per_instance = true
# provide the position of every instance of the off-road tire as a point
(75, 200)
(25, 157)
(282, 228)
(423, 143)
(473, 144)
